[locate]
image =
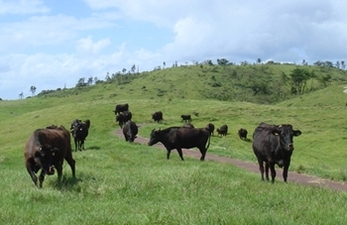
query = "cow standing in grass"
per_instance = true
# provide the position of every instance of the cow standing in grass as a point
(46, 150)
(130, 131)
(273, 144)
(182, 137)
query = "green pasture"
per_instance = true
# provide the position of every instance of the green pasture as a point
(122, 183)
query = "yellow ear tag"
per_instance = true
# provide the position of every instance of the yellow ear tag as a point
(53, 154)
(276, 134)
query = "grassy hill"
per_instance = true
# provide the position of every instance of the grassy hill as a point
(127, 183)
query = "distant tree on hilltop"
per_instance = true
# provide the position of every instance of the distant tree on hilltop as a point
(32, 90)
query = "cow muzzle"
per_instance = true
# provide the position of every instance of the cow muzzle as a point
(290, 147)
(50, 170)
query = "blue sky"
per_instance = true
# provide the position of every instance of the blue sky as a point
(52, 44)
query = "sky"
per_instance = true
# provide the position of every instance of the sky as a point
(52, 44)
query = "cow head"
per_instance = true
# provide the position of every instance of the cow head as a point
(45, 158)
(286, 134)
(154, 138)
(78, 129)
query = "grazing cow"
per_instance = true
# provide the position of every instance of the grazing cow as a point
(123, 117)
(189, 125)
(243, 134)
(210, 127)
(223, 130)
(186, 118)
(157, 116)
(121, 108)
(181, 137)
(80, 130)
(130, 131)
(273, 144)
(45, 150)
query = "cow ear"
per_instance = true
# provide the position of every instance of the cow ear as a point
(297, 133)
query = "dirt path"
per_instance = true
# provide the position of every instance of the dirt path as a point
(292, 176)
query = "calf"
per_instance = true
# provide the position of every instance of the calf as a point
(45, 150)
(157, 116)
(80, 132)
(273, 144)
(123, 117)
(181, 137)
(223, 130)
(243, 134)
(130, 131)
(186, 118)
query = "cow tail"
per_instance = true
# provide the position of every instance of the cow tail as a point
(209, 137)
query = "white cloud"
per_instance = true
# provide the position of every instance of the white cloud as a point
(87, 45)
(22, 7)
(41, 46)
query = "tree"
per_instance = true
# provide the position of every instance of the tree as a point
(222, 62)
(133, 68)
(343, 65)
(259, 60)
(81, 82)
(299, 78)
(337, 64)
(124, 70)
(90, 81)
(33, 90)
(21, 95)
(108, 78)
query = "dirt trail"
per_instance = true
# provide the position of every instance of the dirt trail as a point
(292, 176)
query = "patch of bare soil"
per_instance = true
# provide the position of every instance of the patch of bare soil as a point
(292, 176)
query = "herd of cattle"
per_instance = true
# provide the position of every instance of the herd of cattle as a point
(47, 148)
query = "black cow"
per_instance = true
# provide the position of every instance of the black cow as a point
(223, 130)
(243, 134)
(210, 127)
(157, 116)
(123, 117)
(121, 108)
(130, 131)
(181, 137)
(80, 130)
(186, 118)
(273, 144)
(45, 150)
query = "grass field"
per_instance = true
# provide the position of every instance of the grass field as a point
(122, 183)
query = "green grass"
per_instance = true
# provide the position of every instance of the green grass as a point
(122, 183)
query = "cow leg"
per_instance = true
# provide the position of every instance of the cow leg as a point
(168, 154)
(59, 167)
(285, 171)
(267, 171)
(261, 168)
(42, 178)
(72, 163)
(203, 153)
(273, 172)
(179, 150)
(82, 144)
(76, 144)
